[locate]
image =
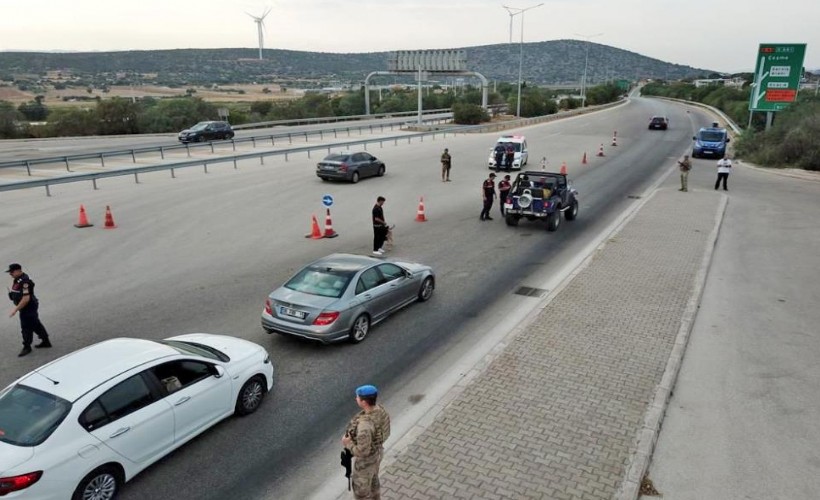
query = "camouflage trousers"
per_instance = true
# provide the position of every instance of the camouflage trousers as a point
(684, 181)
(365, 478)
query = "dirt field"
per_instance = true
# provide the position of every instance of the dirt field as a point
(224, 94)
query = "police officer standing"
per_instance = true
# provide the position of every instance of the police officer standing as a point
(503, 191)
(26, 303)
(487, 194)
(364, 438)
(446, 162)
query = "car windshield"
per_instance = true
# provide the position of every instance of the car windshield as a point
(196, 349)
(200, 126)
(321, 281)
(337, 157)
(516, 145)
(657, 119)
(709, 136)
(28, 416)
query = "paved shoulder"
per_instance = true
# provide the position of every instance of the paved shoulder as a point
(558, 412)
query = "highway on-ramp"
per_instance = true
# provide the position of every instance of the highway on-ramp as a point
(201, 252)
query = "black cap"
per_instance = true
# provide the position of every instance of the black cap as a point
(492, 175)
(14, 267)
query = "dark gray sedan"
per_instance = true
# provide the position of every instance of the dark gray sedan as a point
(339, 297)
(349, 166)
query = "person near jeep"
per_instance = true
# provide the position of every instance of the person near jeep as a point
(487, 195)
(27, 305)
(503, 191)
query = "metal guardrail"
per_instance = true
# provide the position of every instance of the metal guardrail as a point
(133, 152)
(135, 171)
(333, 119)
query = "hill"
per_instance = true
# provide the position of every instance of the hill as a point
(549, 63)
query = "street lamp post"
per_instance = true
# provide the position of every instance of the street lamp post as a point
(586, 62)
(521, 48)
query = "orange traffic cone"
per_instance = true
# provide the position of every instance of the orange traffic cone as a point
(420, 217)
(109, 219)
(329, 232)
(564, 168)
(584, 159)
(83, 222)
(614, 140)
(315, 232)
(601, 151)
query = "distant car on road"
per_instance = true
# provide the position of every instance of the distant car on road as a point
(349, 166)
(659, 123)
(206, 131)
(81, 426)
(339, 297)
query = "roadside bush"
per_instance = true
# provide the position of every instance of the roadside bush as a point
(469, 114)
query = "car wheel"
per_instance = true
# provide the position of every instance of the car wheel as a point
(102, 483)
(230, 136)
(354, 178)
(572, 213)
(250, 396)
(201, 138)
(381, 171)
(426, 290)
(553, 221)
(511, 220)
(360, 329)
(324, 179)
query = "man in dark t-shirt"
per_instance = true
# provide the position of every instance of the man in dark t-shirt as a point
(487, 194)
(379, 227)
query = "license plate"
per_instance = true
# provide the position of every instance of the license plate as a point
(327, 167)
(287, 311)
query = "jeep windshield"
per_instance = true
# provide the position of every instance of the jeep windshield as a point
(710, 136)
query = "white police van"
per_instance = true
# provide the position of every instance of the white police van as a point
(519, 145)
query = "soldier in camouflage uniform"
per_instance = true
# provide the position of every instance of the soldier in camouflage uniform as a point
(365, 437)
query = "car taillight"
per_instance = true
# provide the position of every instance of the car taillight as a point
(343, 167)
(17, 483)
(326, 318)
(268, 308)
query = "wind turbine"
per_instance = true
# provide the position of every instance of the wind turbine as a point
(260, 26)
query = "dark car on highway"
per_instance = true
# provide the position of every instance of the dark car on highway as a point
(349, 166)
(206, 131)
(659, 123)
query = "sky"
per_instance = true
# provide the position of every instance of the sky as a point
(720, 35)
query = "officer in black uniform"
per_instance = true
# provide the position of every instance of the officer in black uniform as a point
(487, 194)
(25, 303)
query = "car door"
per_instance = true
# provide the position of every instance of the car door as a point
(131, 419)
(400, 287)
(197, 394)
(370, 164)
(359, 164)
(373, 294)
(525, 154)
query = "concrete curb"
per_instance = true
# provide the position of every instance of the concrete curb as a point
(647, 437)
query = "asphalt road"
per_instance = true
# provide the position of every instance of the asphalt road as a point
(22, 149)
(201, 252)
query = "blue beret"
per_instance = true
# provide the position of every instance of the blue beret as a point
(366, 390)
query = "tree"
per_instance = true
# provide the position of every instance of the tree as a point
(118, 116)
(8, 121)
(469, 114)
(34, 111)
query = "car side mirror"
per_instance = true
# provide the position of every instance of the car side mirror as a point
(694, 138)
(219, 372)
(728, 139)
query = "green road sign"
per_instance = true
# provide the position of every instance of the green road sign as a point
(777, 76)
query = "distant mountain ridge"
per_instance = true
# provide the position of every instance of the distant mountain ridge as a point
(550, 62)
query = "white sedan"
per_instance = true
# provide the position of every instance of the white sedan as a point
(81, 426)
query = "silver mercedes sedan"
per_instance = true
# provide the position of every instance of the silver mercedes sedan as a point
(339, 297)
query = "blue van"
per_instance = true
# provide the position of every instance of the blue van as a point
(710, 142)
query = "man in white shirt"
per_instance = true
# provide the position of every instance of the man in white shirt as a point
(724, 168)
